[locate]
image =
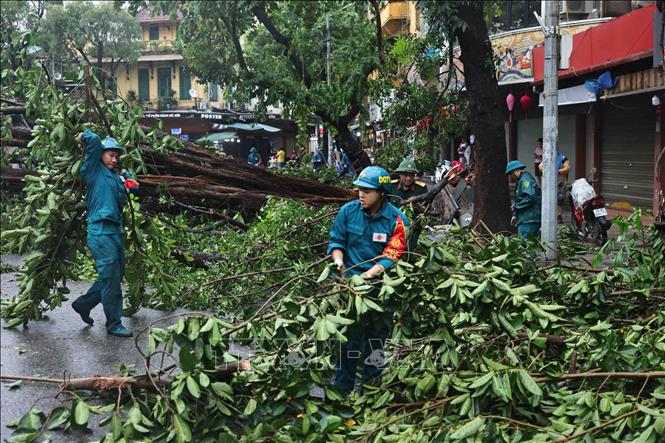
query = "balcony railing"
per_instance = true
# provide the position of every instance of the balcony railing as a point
(157, 45)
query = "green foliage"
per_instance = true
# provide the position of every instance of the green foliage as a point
(50, 225)
(226, 43)
(90, 29)
(414, 91)
(488, 345)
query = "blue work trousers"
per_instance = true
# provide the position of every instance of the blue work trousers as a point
(527, 229)
(108, 250)
(365, 339)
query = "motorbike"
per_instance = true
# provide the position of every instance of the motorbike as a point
(457, 196)
(588, 212)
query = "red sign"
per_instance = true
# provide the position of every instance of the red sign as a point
(622, 40)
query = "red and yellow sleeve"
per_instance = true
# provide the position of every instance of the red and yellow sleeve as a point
(397, 243)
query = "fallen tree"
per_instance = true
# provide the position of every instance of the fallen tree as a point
(488, 344)
(201, 177)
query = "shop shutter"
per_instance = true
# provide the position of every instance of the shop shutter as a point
(627, 152)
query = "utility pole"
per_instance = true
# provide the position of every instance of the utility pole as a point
(550, 128)
(331, 160)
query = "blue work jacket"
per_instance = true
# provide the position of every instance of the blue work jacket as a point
(527, 199)
(367, 240)
(105, 189)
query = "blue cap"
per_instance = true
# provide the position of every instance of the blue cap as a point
(374, 177)
(110, 143)
(514, 165)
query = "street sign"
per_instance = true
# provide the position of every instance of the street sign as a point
(185, 137)
(176, 131)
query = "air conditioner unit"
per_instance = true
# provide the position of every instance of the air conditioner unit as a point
(575, 7)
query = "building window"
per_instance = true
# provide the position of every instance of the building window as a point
(515, 14)
(212, 92)
(144, 85)
(154, 32)
(185, 83)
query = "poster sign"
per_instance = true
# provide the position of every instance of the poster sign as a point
(176, 131)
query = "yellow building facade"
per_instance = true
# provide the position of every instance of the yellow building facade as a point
(161, 70)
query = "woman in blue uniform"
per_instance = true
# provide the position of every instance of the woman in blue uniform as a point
(106, 191)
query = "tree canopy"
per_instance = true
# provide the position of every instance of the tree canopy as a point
(276, 52)
(91, 31)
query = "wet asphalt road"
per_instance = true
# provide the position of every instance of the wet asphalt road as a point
(59, 343)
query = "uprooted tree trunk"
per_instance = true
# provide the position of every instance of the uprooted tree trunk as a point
(199, 177)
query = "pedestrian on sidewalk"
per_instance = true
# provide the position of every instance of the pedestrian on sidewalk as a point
(254, 157)
(527, 199)
(317, 159)
(106, 191)
(537, 160)
(281, 158)
(367, 237)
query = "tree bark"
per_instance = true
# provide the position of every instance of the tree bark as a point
(223, 372)
(492, 201)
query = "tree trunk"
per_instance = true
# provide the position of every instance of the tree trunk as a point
(492, 200)
(347, 142)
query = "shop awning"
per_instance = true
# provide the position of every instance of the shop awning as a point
(217, 137)
(622, 40)
(251, 127)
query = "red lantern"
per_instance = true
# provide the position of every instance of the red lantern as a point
(526, 102)
(510, 102)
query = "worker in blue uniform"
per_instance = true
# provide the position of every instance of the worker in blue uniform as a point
(368, 237)
(527, 199)
(106, 191)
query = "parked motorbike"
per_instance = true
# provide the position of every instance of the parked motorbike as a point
(588, 213)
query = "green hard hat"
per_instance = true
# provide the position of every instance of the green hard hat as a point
(513, 165)
(408, 166)
(374, 177)
(110, 143)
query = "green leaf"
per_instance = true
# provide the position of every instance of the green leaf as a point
(250, 408)
(324, 274)
(187, 360)
(482, 381)
(134, 416)
(193, 387)
(467, 430)
(208, 325)
(59, 417)
(204, 380)
(370, 304)
(81, 413)
(431, 421)
(329, 423)
(116, 426)
(183, 433)
(528, 383)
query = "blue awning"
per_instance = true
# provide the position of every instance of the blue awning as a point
(250, 127)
